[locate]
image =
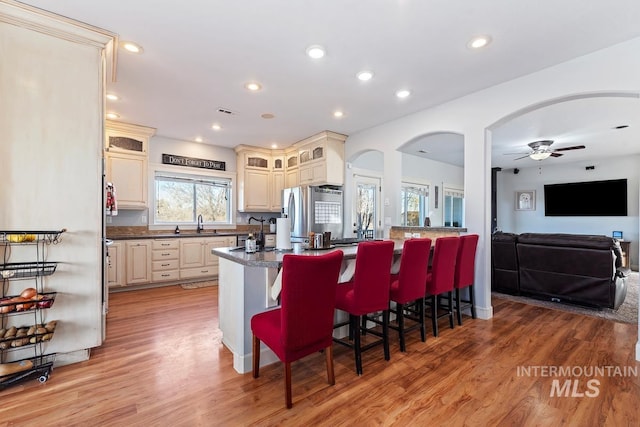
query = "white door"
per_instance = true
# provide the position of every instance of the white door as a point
(367, 209)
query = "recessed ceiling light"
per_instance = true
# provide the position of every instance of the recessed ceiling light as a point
(478, 42)
(621, 127)
(113, 116)
(274, 145)
(403, 93)
(253, 86)
(338, 114)
(267, 116)
(423, 151)
(198, 139)
(112, 97)
(365, 75)
(315, 51)
(216, 127)
(132, 47)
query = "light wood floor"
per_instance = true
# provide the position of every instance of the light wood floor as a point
(163, 364)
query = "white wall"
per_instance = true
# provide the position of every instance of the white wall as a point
(614, 69)
(534, 178)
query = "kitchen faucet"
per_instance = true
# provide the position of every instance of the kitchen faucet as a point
(200, 227)
(260, 239)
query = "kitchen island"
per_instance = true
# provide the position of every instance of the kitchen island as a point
(245, 283)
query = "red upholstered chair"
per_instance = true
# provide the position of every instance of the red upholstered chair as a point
(440, 279)
(304, 322)
(366, 293)
(408, 286)
(465, 274)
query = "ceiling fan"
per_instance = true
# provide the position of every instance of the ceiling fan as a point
(541, 150)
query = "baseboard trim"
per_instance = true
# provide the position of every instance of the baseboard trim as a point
(484, 313)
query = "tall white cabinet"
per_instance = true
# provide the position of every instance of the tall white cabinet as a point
(52, 131)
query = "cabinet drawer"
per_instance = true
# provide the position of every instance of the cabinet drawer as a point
(191, 273)
(160, 254)
(163, 265)
(163, 276)
(166, 244)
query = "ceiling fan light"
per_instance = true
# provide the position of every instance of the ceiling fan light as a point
(540, 155)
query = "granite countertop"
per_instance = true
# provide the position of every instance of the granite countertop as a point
(415, 227)
(169, 235)
(273, 259)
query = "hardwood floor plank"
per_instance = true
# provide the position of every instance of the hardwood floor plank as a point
(163, 364)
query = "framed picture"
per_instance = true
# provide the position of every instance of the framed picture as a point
(526, 200)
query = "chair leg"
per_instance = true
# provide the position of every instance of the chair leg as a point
(287, 385)
(450, 308)
(256, 357)
(385, 334)
(473, 302)
(400, 317)
(331, 377)
(423, 332)
(355, 321)
(434, 314)
(458, 309)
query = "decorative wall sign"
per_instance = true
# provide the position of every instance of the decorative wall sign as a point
(171, 159)
(526, 200)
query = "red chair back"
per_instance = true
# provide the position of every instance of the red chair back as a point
(466, 260)
(413, 271)
(372, 276)
(443, 265)
(308, 299)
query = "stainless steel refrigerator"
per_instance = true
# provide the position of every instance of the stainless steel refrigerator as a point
(313, 208)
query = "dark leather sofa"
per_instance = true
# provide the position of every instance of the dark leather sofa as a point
(571, 268)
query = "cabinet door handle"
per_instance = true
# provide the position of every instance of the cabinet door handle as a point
(165, 244)
(165, 265)
(165, 275)
(166, 254)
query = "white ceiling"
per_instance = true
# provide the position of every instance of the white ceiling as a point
(198, 55)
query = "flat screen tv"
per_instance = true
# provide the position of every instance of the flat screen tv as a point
(592, 198)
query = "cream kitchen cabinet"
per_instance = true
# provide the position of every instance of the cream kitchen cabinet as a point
(256, 196)
(116, 267)
(165, 260)
(196, 260)
(277, 184)
(291, 174)
(138, 263)
(126, 150)
(321, 159)
(256, 169)
(217, 242)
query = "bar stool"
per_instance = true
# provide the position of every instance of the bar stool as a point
(465, 274)
(366, 293)
(440, 279)
(304, 322)
(408, 287)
